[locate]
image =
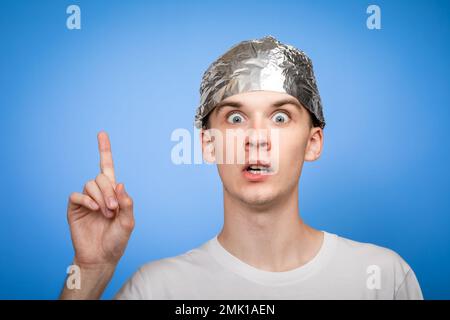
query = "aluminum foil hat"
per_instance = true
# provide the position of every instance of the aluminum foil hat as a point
(262, 64)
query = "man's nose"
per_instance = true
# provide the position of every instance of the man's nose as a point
(258, 139)
(258, 135)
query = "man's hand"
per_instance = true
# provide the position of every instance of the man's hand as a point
(101, 221)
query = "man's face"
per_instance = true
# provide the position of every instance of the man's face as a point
(267, 136)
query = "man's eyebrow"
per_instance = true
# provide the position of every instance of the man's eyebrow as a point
(222, 104)
(237, 104)
(286, 101)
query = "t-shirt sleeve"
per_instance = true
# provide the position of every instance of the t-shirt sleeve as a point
(409, 289)
(136, 288)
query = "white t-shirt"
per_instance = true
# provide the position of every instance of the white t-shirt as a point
(342, 269)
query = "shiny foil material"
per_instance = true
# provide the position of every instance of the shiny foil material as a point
(261, 64)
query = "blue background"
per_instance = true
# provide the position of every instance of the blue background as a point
(134, 70)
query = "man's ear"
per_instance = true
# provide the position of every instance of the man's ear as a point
(208, 151)
(314, 145)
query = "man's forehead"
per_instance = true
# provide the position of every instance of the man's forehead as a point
(260, 98)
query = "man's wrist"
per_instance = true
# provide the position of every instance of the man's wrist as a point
(93, 278)
(95, 267)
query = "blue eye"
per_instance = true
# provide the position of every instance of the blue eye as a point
(235, 118)
(280, 117)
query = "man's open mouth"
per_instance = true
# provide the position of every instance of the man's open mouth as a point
(258, 169)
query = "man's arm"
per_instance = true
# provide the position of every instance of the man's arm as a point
(101, 221)
(409, 289)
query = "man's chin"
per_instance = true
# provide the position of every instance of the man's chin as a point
(261, 198)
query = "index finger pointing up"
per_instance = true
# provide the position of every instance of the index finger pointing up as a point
(106, 161)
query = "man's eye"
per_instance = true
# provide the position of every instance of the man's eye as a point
(235, 118)
(280, 117)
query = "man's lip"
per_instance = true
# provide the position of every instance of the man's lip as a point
(254, 177)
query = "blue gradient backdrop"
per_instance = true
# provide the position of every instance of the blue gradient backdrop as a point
(134, 70)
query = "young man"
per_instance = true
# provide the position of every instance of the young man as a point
(264, 250)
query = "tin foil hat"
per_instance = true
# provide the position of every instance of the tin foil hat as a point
(262, 64)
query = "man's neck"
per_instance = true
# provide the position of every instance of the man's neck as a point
(271, 239)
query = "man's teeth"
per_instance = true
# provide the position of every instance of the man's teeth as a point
(258, 169)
